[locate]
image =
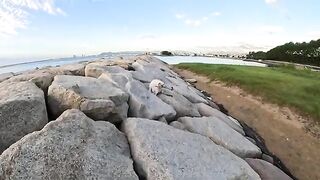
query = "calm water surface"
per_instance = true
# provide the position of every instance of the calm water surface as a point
(170, 60)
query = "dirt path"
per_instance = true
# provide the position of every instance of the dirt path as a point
(281, 129)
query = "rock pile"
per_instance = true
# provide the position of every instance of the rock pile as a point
(105, 124)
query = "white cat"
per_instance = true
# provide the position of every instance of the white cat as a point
(156, 86)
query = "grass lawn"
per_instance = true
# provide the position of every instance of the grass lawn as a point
(285, 86)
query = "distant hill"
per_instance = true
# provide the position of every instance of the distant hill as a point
(303, 53)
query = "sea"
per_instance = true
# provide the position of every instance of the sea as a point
(20, 67)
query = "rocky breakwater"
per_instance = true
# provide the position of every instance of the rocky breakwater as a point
(98, 120)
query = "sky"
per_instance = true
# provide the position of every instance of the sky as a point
(38, 29)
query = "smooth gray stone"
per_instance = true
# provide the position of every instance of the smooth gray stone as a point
(181, 105)
(220, 133)
(178, 125)
(72, 147)
(163, 152)
(22, 111)
(5, 76)
(266, 170)
(98, 99)
(208, 111)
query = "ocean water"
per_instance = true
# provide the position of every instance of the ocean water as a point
(168, 59)
(207, 60)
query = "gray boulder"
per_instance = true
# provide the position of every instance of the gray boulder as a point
(178, 125)
(181, 105)
(22, 111)
(100, 100)
(181, 87)
(95, 69)
(72, 147)
(44, 77)
(163, 152)
(148, 68)
(118, 79)
(220, 133)
(76, 69)
(207, 111)
(144, 104)
(266, 170)
(5, 76)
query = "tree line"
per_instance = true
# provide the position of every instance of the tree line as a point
(303, 53)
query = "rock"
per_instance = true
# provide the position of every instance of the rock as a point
(267, 158)
(118, 79)
(95, 69)
(22, 111)
(44, 77)
(213, 105)
(5, 76)
(163, 152)
(251, 140)
(163, 120)
(181, 87)
(72, 147)
(76, 69)
(144, 104)
(266, 170)
(100, 100)
(155, 68)
(207, 111)
(178, 125)
(220, 133)
(192, 81)
(181, 105)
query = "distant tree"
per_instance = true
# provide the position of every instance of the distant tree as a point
(304, 53)
(166, 53)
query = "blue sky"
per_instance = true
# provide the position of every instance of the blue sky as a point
(36, 29)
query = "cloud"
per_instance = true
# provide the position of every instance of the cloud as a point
(180, 16)
(271, 1)
(14, 13)
(191, 21)
(216, 14)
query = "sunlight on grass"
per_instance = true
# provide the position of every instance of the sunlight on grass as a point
(286, 86)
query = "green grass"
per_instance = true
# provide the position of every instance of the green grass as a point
(285, 86)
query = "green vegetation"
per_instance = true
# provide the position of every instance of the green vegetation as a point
(303, 53)
(286, 86)
(166, 53)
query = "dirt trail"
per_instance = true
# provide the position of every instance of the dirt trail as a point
(281, 128)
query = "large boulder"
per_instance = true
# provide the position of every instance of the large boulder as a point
(41, 78)
(44, 77)
(266, 170)
(163, 152)
(220, 133)
(148, 68)
(181, 87)
(76, 69)
(5, 76)
(208, 111)
(144, 104)
(22, 111)
(181, 105)
(100, 100)
(95, 69)
(72, 147)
